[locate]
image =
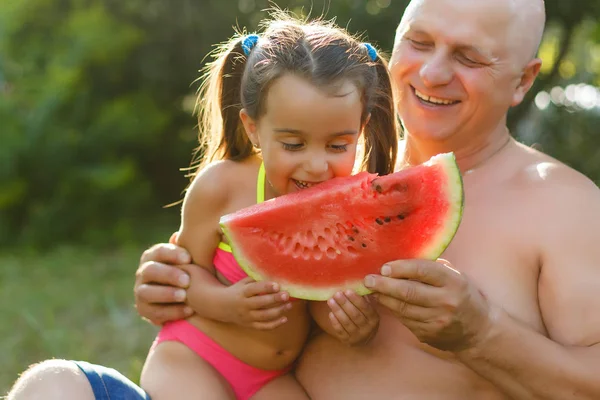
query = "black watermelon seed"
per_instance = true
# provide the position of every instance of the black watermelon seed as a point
(380, 222)
(363, 245)
(354, 229)
(378, 188)
(351, 238)
(387, 219)
(401, 216)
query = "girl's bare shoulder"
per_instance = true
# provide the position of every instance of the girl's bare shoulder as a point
(221, 181)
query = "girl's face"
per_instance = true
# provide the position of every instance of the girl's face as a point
(308, 134)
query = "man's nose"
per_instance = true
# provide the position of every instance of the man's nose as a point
(436, 71)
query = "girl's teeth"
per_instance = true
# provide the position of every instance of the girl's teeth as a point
(302, 184)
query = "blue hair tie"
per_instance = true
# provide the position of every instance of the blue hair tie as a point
(248, 43)
(371, 51)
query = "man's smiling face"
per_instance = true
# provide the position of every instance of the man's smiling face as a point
(458, 65)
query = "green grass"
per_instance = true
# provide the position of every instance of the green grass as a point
(70, 303)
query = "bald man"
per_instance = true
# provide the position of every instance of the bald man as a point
(511, 311)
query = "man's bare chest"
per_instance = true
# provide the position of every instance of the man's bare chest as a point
(494, 247)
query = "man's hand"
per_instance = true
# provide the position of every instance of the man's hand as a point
(355, 321)
(435, 301)
(160, 285)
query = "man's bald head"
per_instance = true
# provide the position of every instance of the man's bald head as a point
(520, 22)
(530, 20)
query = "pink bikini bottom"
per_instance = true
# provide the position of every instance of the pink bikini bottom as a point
(244, 379)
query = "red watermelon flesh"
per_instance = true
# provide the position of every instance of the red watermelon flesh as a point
(327, 238)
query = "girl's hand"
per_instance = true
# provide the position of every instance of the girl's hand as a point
(353, 317)
(258, 305)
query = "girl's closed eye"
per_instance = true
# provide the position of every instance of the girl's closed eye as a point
(339, 148)
(292, 146)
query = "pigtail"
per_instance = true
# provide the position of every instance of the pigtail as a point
(222, 134)
(381, 132)
(318, 51)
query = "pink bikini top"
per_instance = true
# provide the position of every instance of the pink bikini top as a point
(223, 260)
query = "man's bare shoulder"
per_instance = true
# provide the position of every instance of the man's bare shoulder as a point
(562, 208)
(542, 176)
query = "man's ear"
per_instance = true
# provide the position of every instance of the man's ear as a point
(250, 127)
(530, 73)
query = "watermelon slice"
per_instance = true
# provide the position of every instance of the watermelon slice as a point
(327, 238)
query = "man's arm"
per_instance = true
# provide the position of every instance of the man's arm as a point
(525, 364)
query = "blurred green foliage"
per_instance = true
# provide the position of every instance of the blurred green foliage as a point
(96, 99)
(74, 303)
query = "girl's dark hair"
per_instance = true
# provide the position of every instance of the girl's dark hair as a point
(316, 50)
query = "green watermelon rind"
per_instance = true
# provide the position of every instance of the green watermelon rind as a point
(455, 191)
(445, 235)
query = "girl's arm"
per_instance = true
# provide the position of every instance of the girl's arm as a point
(247, 303)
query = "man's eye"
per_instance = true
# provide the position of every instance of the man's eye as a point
(419, 45)
(469, 62)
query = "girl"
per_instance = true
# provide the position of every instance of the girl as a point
(280, 112)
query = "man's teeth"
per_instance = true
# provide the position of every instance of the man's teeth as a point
(432, 99)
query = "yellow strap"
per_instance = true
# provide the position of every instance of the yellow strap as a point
(260, 197)
(225, 247)
(260, 184)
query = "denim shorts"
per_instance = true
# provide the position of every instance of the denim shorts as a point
(109, 384)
